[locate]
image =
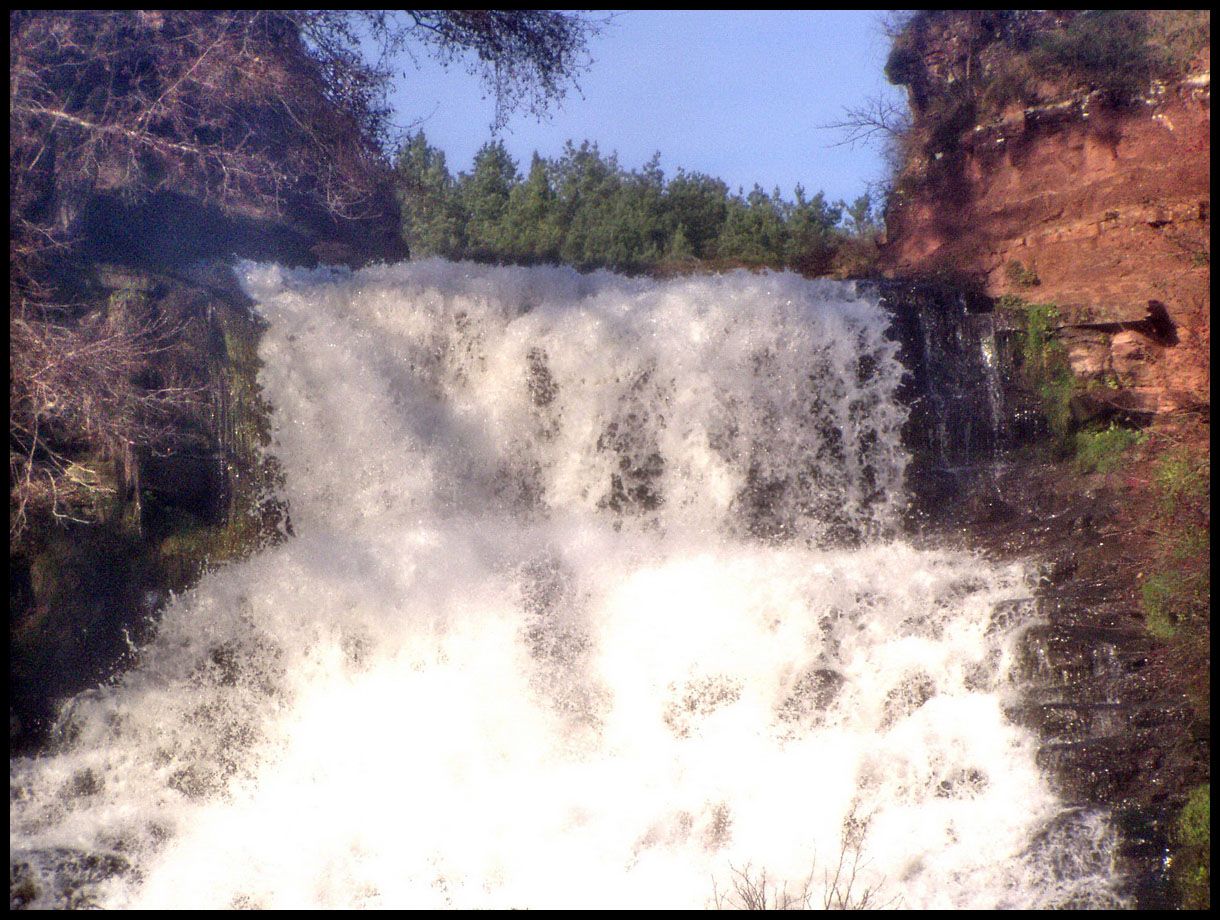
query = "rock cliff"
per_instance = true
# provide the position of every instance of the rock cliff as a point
(1057, 163)
(1096, 204)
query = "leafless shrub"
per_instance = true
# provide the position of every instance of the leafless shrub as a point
(841, 888)
(878, 118)
(85, 387)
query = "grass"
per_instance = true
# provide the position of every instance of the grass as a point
(1192, 868)
(1183, 478)
(1161, 595)
(1104, 450)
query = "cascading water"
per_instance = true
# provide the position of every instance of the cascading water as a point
(594, 599)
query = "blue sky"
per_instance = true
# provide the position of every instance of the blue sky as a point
(734, 94)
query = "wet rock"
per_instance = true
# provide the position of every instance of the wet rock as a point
(963, 784)
(697, 699)
(901, 701)
(61, 878)
(813, 693)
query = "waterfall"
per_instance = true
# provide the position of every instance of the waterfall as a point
(596, 597)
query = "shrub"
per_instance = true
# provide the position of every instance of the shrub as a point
(1193, 866)
(1176, 37)
(903, 64)
(1176, 597)
(1020, 276)
(1182, 478)
(1101, 451)
(1157, 595)
(1106, 49)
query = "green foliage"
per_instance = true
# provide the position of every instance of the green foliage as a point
(755, 229)
(531, 216)
(483, 195)
(699, 205)
(432, 220)
(1102, 450)
(1011, 79)
(1177, 609)
(584, 209)
(1182, 478)
(1177, 37)
(1157, 596)
(1193, 862)
(1107, 48)
(1177, 597)
(862, 218)
(987, 61)
(1194, 823)
(1121, 52)
(1046, 370)
(813, 237)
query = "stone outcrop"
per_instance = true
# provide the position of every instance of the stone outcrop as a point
(1102, 210)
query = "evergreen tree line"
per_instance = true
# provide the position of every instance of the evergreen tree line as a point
(584, 209)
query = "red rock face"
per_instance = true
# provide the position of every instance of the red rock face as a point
(1104, 213)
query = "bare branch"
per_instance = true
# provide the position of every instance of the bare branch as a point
(841, 889)
(878, 118)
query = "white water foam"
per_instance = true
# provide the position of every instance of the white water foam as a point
(594, 601)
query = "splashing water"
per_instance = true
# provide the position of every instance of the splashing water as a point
(594, 600)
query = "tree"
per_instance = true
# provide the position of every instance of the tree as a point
(270, 111)
(860, 217)
(433, 223)
(697, 204)
(484, 196)
(754, 229)
(247, 107)
(244, 108)
(532, 217)
(526, 57)
(586, 184)
(812, 238)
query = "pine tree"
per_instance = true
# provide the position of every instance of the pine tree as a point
(532, 217)
(432, 220)
(697, 204)
(812, 237)
(484, 194)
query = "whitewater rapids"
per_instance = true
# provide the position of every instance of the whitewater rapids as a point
(595, 598)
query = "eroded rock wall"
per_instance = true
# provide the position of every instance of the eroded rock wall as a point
(1102, 210)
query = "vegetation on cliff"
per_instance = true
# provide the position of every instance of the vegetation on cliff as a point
(965, 68)
(1024, 168)
(585, 209)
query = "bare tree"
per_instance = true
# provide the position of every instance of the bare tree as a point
(526, 58)
(247, 107)
(77, 387)
(270, 111)
(877, 118)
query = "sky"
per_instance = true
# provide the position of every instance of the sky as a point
(738, 95)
